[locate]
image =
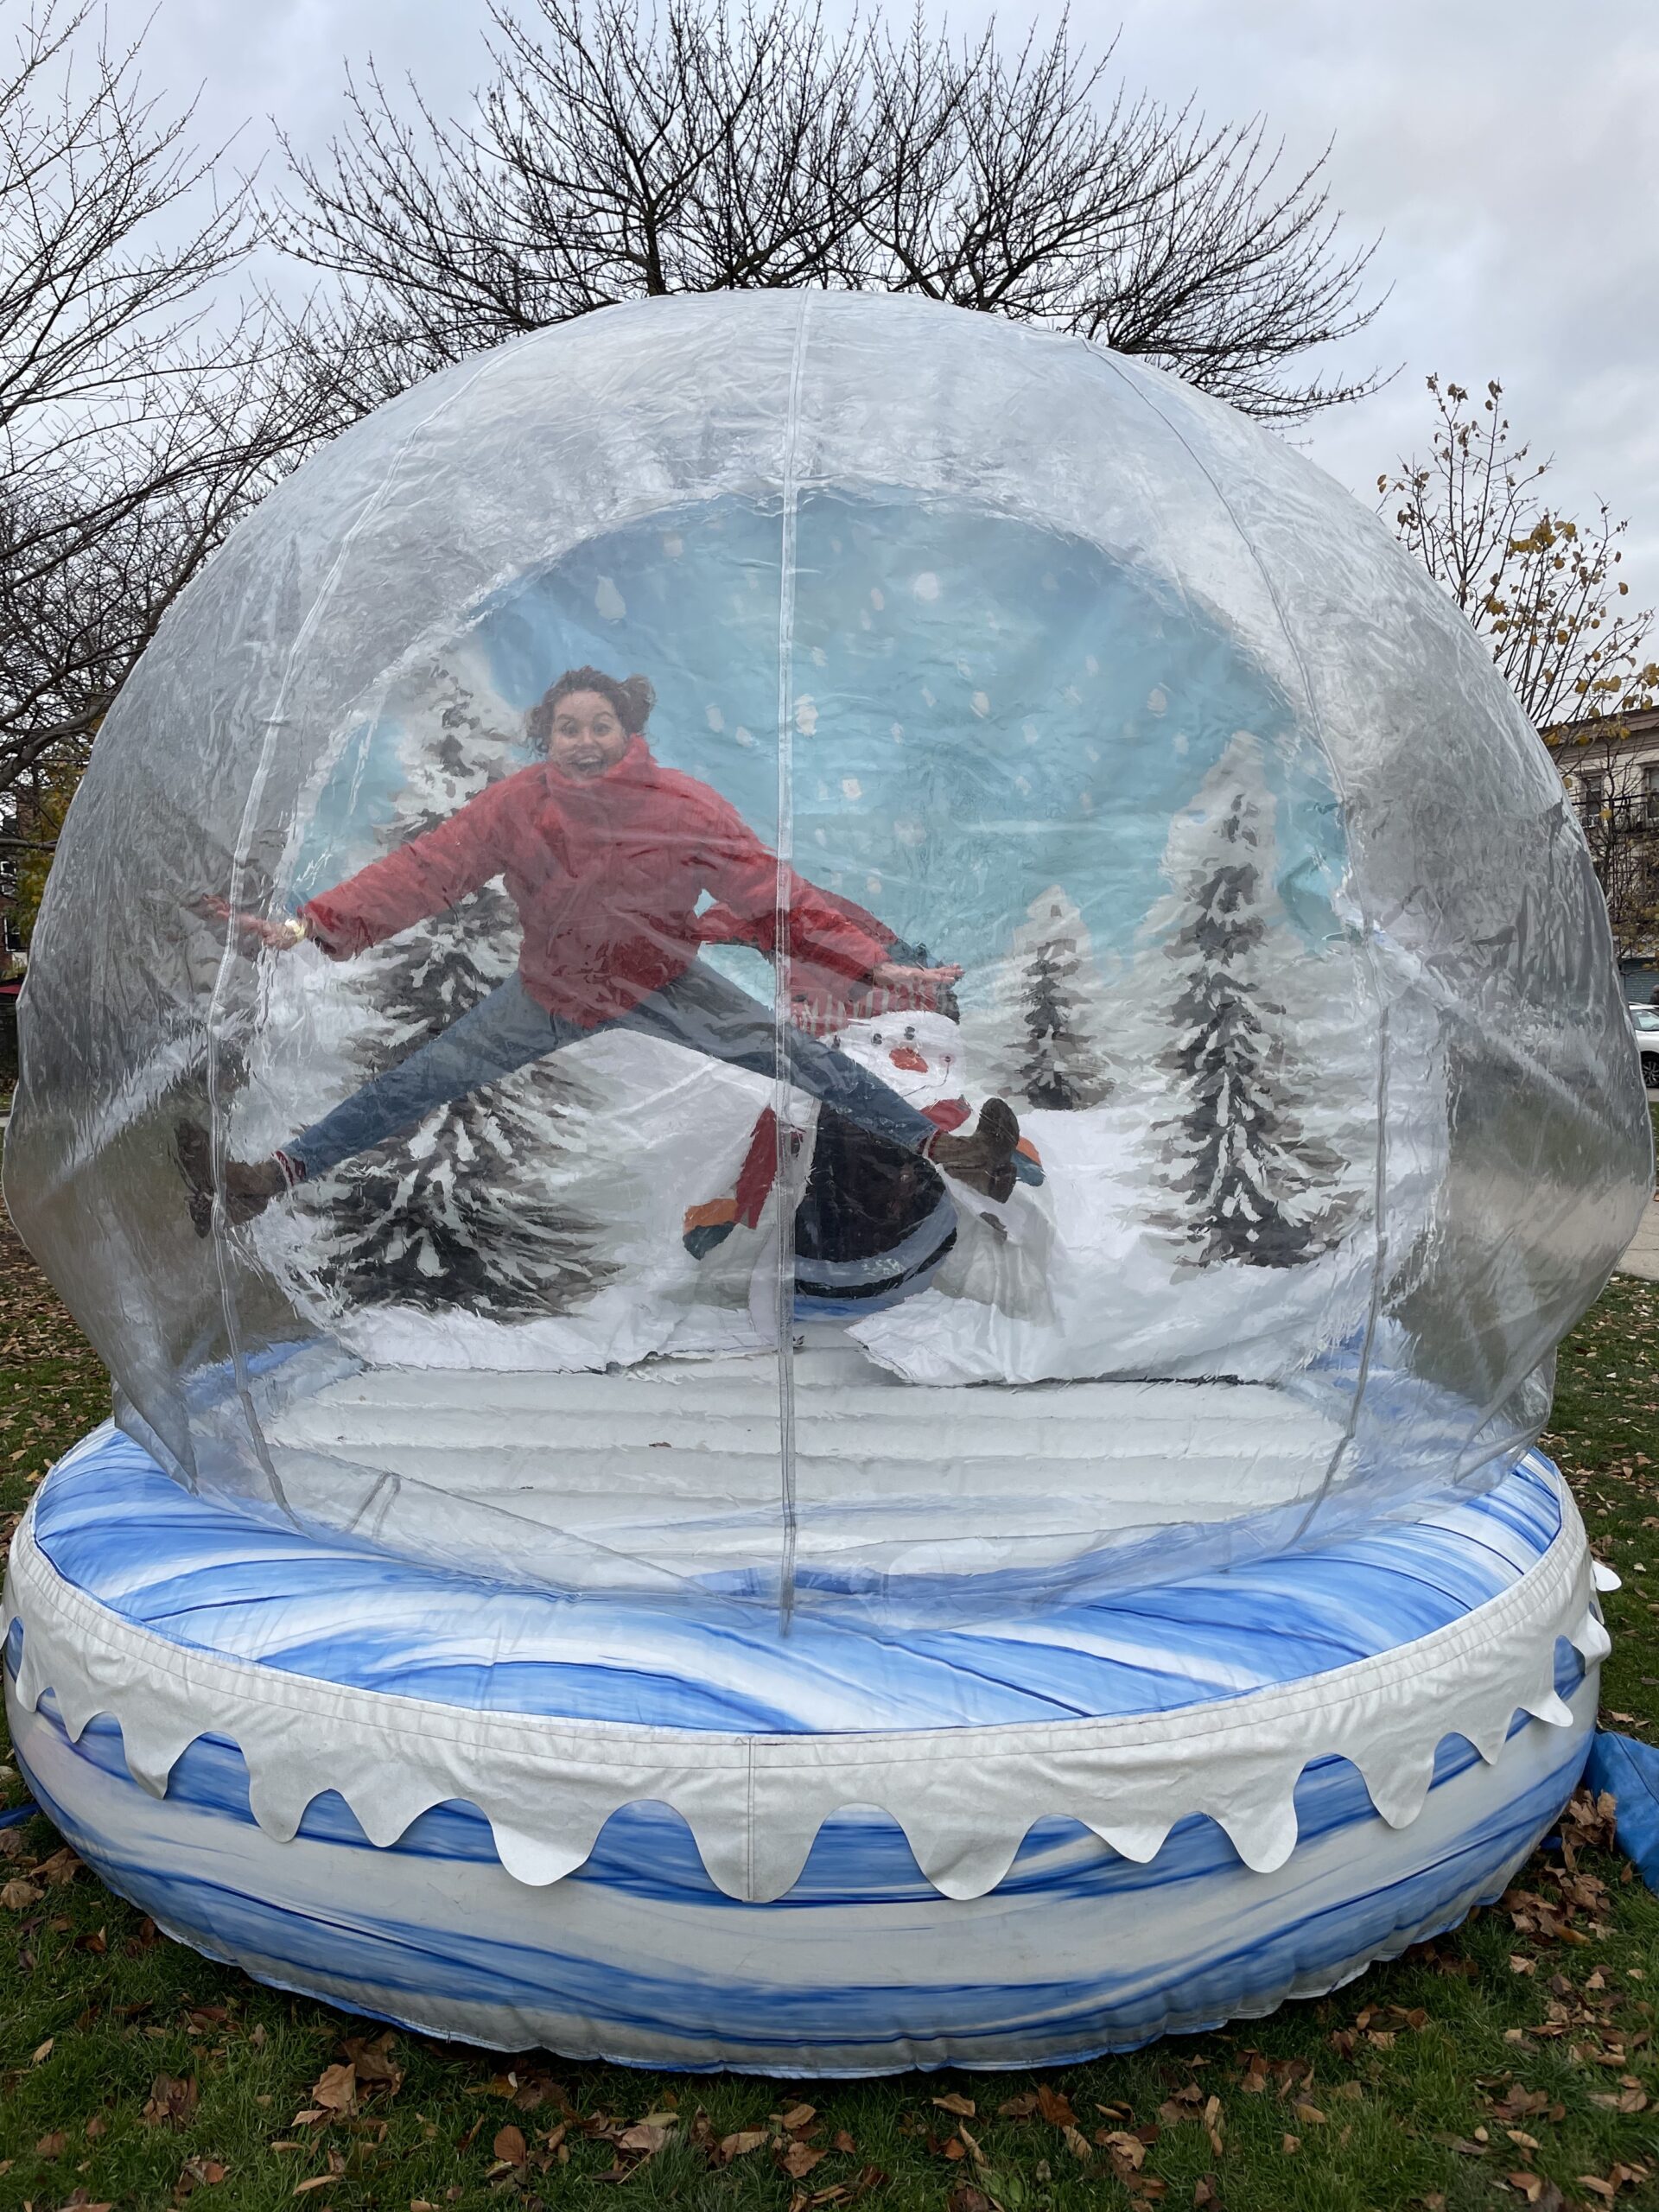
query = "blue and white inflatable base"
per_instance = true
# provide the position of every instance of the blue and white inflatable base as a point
(623, 1834)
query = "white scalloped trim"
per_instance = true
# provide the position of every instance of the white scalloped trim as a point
(964, 1797)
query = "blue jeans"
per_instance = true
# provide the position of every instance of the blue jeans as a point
(700, 1011)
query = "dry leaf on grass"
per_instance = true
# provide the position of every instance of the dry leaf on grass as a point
(17, 1895)
(509, 2145)
(644, 2140)
(172, 2102)
(335, 2089)
(1626, 2101)
(1078, 2144)
(1055, 2109)
(740, 2144)
(1123, 2145)
(963, 2107)
(376, 2071)
(797, 2116)
(799, 2160)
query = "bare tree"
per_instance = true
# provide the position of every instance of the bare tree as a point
(615, 154)
(1543, 591)
(1539, 586)
(133, 429)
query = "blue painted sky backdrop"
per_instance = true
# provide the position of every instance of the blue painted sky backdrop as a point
(980, 709)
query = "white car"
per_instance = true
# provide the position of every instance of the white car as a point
(1644, 1019)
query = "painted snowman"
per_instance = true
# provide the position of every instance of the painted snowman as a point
(874, 1223)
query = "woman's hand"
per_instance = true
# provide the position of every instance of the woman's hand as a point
(252, 933)
(892, 977)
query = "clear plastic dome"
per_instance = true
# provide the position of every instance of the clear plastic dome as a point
(652, 1228)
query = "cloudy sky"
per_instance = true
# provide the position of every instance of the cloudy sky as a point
(1503, 152)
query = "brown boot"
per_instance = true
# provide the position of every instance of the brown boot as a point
(984, 1161)
(249, 1187)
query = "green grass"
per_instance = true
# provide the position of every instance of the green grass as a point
(134, 2074)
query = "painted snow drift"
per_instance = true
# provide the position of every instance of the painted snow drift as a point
(827, 1080)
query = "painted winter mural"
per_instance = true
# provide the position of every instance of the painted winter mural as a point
(1007, 752)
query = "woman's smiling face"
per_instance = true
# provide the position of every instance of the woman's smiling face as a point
(586, 737)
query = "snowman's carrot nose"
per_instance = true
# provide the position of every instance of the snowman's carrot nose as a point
(906, 1056)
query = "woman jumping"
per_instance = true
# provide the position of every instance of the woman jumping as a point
(605, 853)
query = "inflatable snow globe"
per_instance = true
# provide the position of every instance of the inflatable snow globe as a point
(827, 1079)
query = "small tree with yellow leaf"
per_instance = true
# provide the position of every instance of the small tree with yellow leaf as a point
(1543, 591)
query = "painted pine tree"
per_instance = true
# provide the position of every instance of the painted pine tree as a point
(1049, 1058)
(462, 1210)
(1248, 1180)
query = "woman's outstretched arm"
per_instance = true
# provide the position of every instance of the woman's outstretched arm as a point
(427, 876)
(832, 931)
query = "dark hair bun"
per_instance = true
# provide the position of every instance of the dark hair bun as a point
(641, 696)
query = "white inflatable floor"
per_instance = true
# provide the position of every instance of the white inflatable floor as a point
(675, 1465)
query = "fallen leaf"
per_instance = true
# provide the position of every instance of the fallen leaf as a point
(1078, 2144)
(38, 2057)
(1310, 2115)
(645, 2139)
(53, 2145)
(963, 2107)
(799, 2160)
(375, 2067)
(335, 2089)
(798, 2116)
(1020, 2107)
(1205, 2192)
(744, 2140)
(1122, 2145)
(843, 2141)
(1056, 2109)
(1290, 2144)
(509, 2145)
(1626, 2101)
(173, 2102)
(17, 1895)
(968, 2199)
(1519, 1965)
(317, 2181)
